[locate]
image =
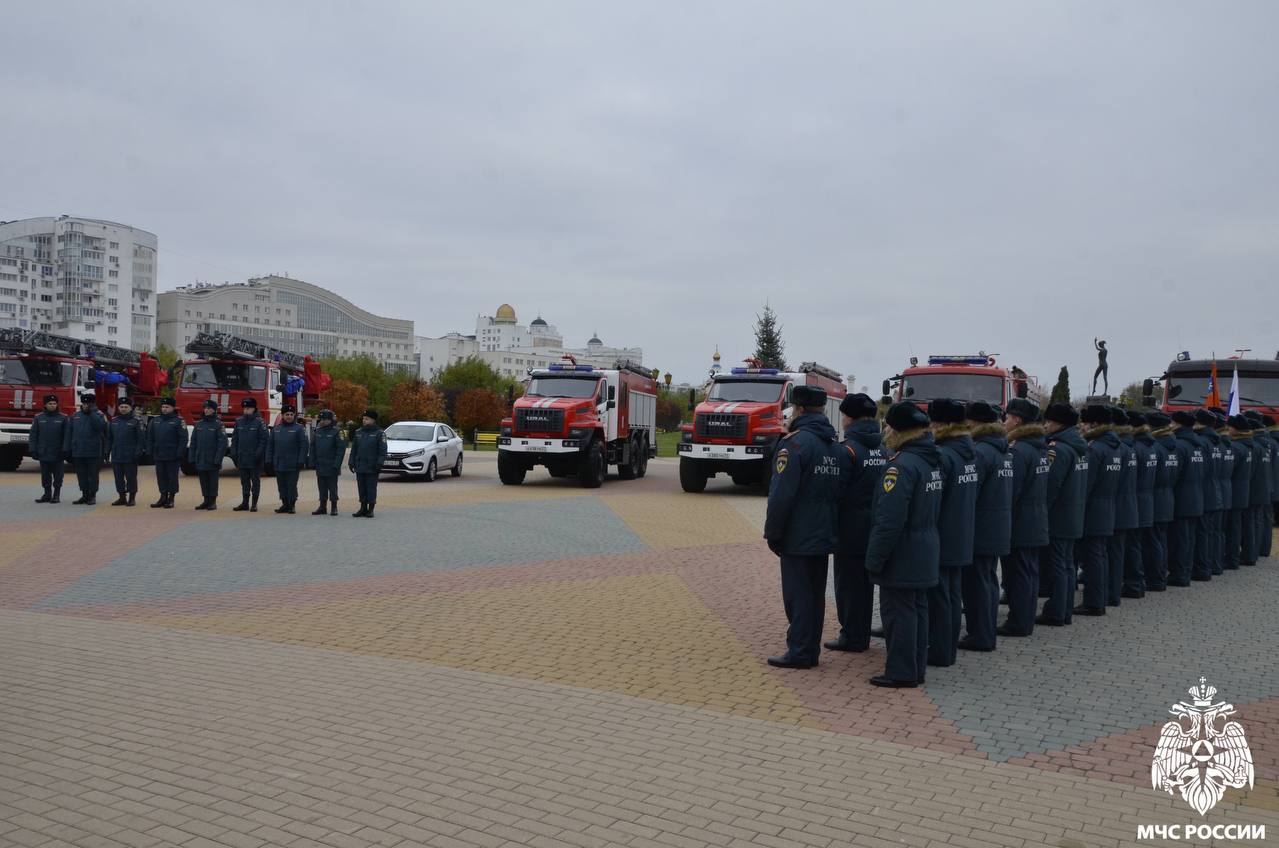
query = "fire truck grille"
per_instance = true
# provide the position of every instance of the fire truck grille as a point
(720, 425)
(539, 420)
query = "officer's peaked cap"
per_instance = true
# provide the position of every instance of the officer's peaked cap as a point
(906, 416)
(1063, 414)
(1024, 409)
(86, 397)
(981, 412)
(50, 398)
(1095, 414)
(209, 404)
(858, 406)
(370, 413)
(288, 407)
(168, 401)
(1185, 419)
(946, 411)
(328, 413)
(248, 401)
(806, 396)
(1206, 418)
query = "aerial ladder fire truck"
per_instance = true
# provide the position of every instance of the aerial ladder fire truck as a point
(34, 363)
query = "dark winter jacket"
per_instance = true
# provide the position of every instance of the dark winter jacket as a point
(328, 448)
(1029, 450)
(208, 443)
(368, 450)
(1067, 483)
(905, 549)
(1190, 479)
(956, 525)
(126, 439)
(1264, 458)
(248, 441)
(167, 438)
(286, 449)
(1105, 463)
(1126, 496)
(994, 526)
(1167, 478)
(1226, 471)
(864, 442)
(1212, 474)
(1241, 474)
(810, 475)
(1147, 476)
(47, 436)
(86, 435)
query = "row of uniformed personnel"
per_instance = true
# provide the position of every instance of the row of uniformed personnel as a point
(1141, 502)
(87, 439)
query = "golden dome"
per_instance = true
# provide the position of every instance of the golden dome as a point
(716, 357)
(505, 314)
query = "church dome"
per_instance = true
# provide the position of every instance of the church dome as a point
(537, 322)
(595, 340)
(505, 314)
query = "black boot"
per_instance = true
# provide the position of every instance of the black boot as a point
(321, 509)
(333, 507)
(133, 499)
(90, 500)
(120, 501)
(243, 507)
(163, 500)
(204, 504)
(368, 513)
(364, 508)
(253, 507)
(168, 500)
(57, 496)
(282, 508)
(80, 500)
(45, 498)
(212, 505)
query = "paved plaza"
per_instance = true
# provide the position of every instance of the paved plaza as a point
(543, 665)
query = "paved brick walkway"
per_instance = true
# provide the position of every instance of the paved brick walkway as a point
(482, 665)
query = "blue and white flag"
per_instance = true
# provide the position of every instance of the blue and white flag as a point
(1233, 408)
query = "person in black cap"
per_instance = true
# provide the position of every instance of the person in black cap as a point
(1118, 548)
(1104, 466)
(368, 454)
(992, 536)
(955, 527)
(1189, 499)
(1262, 492)
(854, 593)
(903, 555)
(207, 448)
(1240, 544)
(1067, 498)
(1147, 458)
(1206, 534)
(1155, 542)
(811, 471)
(327, 450)
(248, 453)
(84, 443)
(1029, 451)
(126, 442)
(1225, 481)
(286, 450)
(44, 442)
(167, 446)
(1267, 516)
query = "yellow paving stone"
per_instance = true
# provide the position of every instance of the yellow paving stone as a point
(19, 543)
(632, 635)
(666, 522)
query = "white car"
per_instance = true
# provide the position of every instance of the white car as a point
(422, 448)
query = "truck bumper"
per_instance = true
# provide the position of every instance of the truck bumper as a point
(521, 444)
(13, 437)
(725, 453)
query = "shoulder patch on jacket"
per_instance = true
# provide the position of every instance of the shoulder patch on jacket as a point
(890, 479)
(783, 458)
(850, 450)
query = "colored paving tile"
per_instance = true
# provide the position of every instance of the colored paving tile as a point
(646, 636)
(20, 543)
(689, 521)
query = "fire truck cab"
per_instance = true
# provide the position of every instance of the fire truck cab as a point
(966, 378)
(1186, 384)
(736, 429)
(576, 420)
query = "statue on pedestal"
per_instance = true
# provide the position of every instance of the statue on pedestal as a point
(1103, 370)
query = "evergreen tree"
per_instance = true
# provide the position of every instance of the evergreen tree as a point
(1061, 391)
(769, 348)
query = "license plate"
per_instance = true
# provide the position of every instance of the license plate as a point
(537, 448)
(719, 454)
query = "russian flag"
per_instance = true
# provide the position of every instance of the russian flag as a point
(1233, 408)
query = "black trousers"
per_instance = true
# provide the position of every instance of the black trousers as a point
(1093, 551)
(1202, 567)
(367, 486)
(905, 616)
(286, 483)
(51, 475)
(1116, 551)
(804, 598)
(1217, 541)
(1181, 550)
(251, 483)
(209, 484)
(126, 477)
(945, 616)
(1265, 529)
(86, 474)
(1234, 537)
(1057, 570)
(1134, 563)
(166, 476)
(1154, 552)
(854, 599)
(328, 486)
(1021, 582)
(979, 586)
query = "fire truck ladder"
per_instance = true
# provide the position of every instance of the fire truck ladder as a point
(227, 346)
(821, 371)
(14, 340)
(627, 365)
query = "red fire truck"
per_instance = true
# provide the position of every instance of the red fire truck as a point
(1186, 383)
(966, 377)
(576, 420)
(735, 430)
(35, 363)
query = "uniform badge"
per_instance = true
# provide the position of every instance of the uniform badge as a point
(783, 457)
(1052, 455)
(890, 479)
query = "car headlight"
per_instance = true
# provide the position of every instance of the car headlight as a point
(417, 452)
(576, 433)
(763, 438)
(506, 431)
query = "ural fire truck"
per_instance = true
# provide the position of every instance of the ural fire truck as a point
(227, 369)
(35, 363)
(735, 430)
(966, 378)
(576, 420)
(1186, 384)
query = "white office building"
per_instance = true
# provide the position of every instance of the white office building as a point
(287, 314)
(79, 277)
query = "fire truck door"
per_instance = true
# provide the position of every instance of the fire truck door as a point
(609, 405)
(275, 397)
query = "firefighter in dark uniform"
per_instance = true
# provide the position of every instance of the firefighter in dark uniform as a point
(44, 442)
(955, 527)
(1029, 451)
(1261, 493)
(208, 447)
(1134, 585)
(1189, 499)
(1067, 493)
(810, 474)
(167, 446)
(1272, 433)
(1104, 465)
(854, 593)
(328, 448)
(126, 442)
(1206, 527)
(249, 438)
(286, 450)
(1240, 547)
(1118, 548)
(1225, 480)
(368, 453)
(1270, 469)
(904, 552)
(1154, 544)
(992, 536)
(85, 443)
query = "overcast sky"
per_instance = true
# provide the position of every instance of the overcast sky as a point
(893, 177)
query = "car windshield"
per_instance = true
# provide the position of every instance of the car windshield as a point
(926, 387)
(411, 432)
(35, 372)
(1192, 389)
(223, 375)
(562, 387)
(743, 390)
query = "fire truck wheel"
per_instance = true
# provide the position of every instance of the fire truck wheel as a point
(456, 470)
(509, 469)
(643, 462)
(629, 470)
(10, 459)
(591, 472)
(691, 478)
(431, 471)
